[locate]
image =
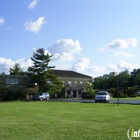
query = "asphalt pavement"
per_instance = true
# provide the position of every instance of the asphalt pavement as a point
(93, 101)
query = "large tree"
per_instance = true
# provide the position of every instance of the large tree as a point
(41, 69)
(16, 70)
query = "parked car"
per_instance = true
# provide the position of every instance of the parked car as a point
(102, 96)
(42, 96)
(138, 93)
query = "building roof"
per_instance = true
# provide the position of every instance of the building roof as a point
(68, 73)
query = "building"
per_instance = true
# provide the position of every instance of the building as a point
(73, 82)
(14, 82)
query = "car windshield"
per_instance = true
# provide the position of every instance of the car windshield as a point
(101, 93)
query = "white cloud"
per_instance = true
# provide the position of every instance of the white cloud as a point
(63, 67)
(64, 49)
(111, 68)
(34, 26)
(96, 69)
(33, 4)
(124, 54)
(124, 65)
(120, 43)
(46, 51)
(1, 20)
(6, 64)
(81, 65)
(121, 66)
(24, 63)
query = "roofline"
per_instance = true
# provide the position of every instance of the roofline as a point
(73, 72)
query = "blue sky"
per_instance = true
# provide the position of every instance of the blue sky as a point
(94, 37)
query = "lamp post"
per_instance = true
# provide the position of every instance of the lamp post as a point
(117, 82)
(35, 84)
(118, 87)
(90, 87)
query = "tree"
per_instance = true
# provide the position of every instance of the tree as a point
(16, 70)
(135, 77)
(56, 86)
(89, 87)
(41, 69)
(112, 81)
(124, 78)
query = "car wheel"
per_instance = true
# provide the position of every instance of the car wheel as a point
(47, 98)
(41, 99)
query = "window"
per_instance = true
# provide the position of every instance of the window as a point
(75, 83)
(81, 83)
(69, 83)
(11, 81)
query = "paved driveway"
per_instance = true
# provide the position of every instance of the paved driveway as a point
(93, 101)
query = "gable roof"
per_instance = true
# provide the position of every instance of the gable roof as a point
(68, 73)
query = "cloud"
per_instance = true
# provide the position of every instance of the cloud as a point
(34, 26)
(112, 68)
(121, 66)
(120, 43)
(1, 20)
(96, 71)
(33, 4)
(64, 49)
(63, 67)
(81, 65)
(24, 63)
(124, 54)
(6, 64)
(124, 65)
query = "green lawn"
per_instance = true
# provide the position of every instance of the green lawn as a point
(67, 121)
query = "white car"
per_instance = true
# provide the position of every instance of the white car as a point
(138, 93)
(102, 96)
(42, 96)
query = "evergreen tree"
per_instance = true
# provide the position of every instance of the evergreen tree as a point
(16, 70)
(41, 69)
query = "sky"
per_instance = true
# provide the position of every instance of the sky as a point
(93, 37)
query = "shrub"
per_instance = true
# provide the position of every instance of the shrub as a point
(88, 95)
(7, 95)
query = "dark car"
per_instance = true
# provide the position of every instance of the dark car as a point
(41, 96)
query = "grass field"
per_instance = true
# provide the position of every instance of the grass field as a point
(67, 121)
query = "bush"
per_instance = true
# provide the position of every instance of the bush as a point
(88, 95)
(123, 95)
(8, 95)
